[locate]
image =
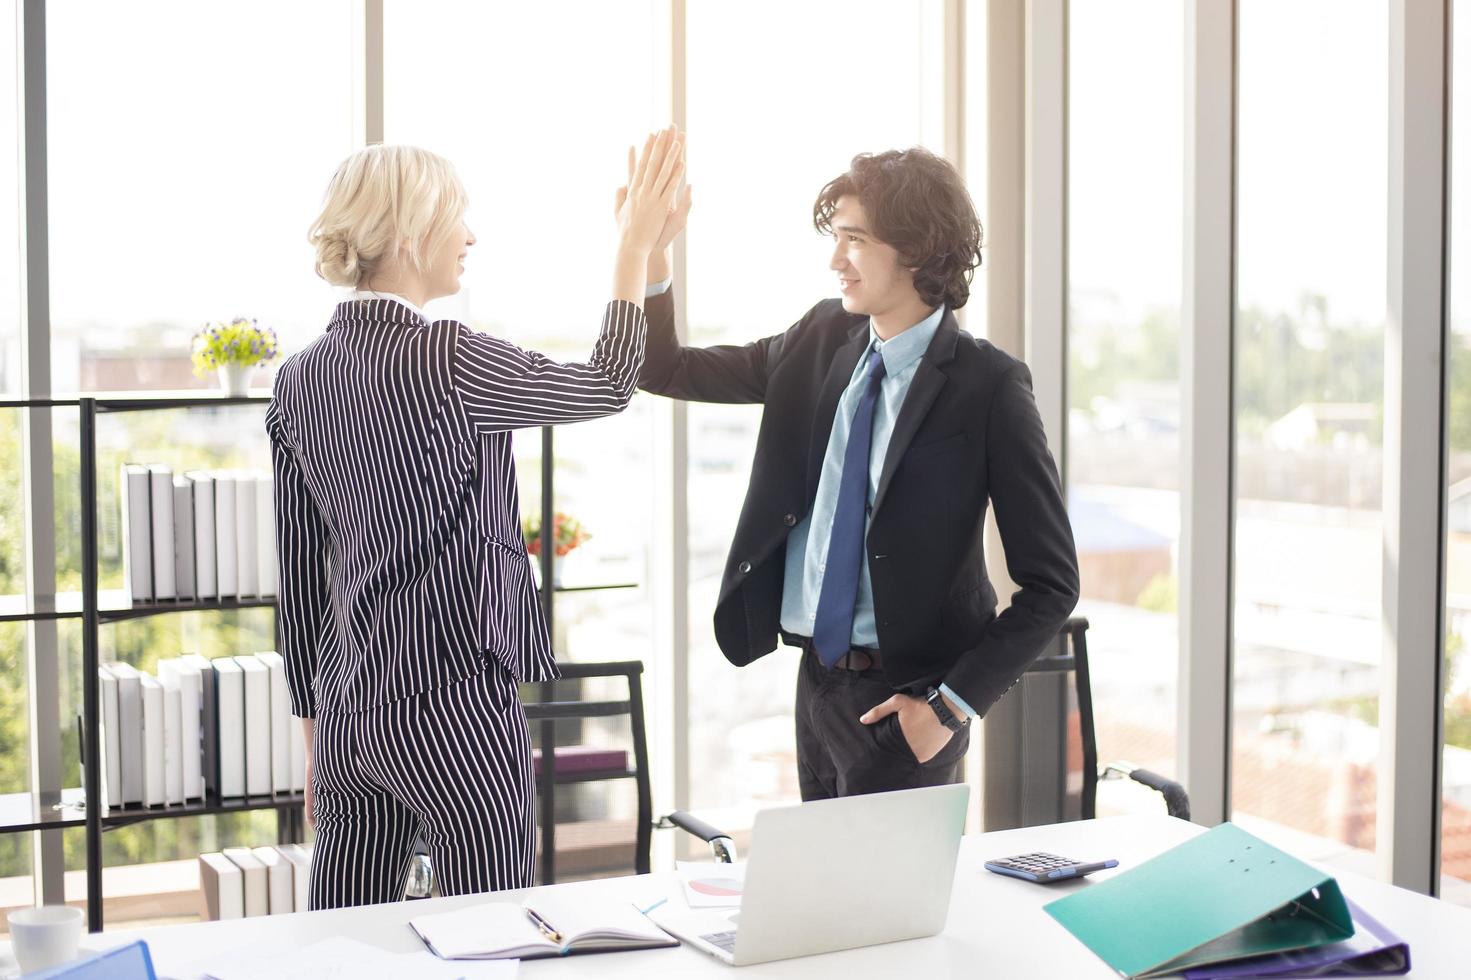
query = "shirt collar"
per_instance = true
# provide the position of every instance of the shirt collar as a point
(902, 351)
(371, 294)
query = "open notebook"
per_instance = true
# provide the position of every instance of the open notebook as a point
(568, 924)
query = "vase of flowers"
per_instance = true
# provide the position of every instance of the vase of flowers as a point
(567, 534)
(233, 349)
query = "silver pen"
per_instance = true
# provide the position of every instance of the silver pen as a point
(544, 926)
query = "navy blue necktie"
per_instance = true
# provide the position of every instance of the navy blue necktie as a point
(832, 628)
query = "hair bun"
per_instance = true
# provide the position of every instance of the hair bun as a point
(337, 261)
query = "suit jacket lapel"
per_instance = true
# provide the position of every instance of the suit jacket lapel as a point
(929, 378)
(839, 374)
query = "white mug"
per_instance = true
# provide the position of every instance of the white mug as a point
(45, 936)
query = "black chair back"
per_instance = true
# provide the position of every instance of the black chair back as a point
(559, 767)
(1041, 751)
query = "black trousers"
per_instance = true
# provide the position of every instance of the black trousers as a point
(453, 764)
(838, 755)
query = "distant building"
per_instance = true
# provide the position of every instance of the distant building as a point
(1117, 557)
(1343, 425)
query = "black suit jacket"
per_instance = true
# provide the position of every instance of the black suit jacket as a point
(968, 433)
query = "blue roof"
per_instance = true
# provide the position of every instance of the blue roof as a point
(1097, 527)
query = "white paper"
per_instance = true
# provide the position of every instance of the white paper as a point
(708, 885)
(347, 959)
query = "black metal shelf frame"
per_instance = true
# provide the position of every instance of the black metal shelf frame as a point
(93, 616)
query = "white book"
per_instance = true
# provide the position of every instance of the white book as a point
(257, 886)
(161, 479)
(223, 887)
(225, 550)
(153, 741)
(279, 883)
(183, 674)
(265, 532)
(110, 745)
(130, 732)
(247, 561)
(281, 722)
(229, 682)
(134, 487)
(185, 584)
(206, 575)
(300, 857)
(173, 745)
(193, 664)
(257, 725)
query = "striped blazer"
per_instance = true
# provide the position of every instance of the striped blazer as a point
(397, 521)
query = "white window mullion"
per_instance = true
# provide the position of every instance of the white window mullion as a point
(1407, 822)
(1207, 432)
(1046, 217)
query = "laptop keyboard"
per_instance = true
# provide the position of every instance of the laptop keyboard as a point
(722, 940)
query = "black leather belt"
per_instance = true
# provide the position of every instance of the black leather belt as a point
(857, 658)
(860, 659)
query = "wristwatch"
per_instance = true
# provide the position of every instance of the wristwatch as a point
(943, 712)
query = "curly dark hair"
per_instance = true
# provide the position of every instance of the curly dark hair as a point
(917, 203)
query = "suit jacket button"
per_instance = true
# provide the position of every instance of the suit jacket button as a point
(790, 520)
(745, 567)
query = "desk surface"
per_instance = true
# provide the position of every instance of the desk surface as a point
(996, 926)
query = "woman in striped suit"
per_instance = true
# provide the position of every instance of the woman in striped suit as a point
(407, 611)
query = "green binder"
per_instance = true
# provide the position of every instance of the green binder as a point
(1221, 896)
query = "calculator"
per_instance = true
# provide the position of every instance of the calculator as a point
(1045, 868)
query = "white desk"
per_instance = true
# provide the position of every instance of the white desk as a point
(996, 927)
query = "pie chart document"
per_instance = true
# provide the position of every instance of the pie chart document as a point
(708, 885)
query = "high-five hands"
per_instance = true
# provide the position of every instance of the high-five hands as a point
(645, 205)
(674, 222)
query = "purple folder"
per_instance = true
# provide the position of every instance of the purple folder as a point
(1373, 951)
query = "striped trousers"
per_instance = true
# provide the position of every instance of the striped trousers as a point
(452, 764)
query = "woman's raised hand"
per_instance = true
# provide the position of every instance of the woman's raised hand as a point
(653, 180)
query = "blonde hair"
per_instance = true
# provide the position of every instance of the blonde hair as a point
(384, 198)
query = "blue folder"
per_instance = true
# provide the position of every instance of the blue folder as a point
(130, 962)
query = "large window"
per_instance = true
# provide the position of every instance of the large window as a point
(541, 151)
(1309, 420)
(849, 77)
(189, 146)
(1125, 139)
(1455, 847)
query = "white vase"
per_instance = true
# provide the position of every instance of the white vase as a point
(235, 379)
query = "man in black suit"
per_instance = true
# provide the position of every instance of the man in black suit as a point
(885, 433)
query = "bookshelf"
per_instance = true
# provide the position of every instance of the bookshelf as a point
(23, 812)
(95, 608)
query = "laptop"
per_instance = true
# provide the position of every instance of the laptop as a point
(836, 874)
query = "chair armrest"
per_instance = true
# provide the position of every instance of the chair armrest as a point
(721, 844)
(1177, 801)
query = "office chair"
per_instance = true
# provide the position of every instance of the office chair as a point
(1032, 775)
